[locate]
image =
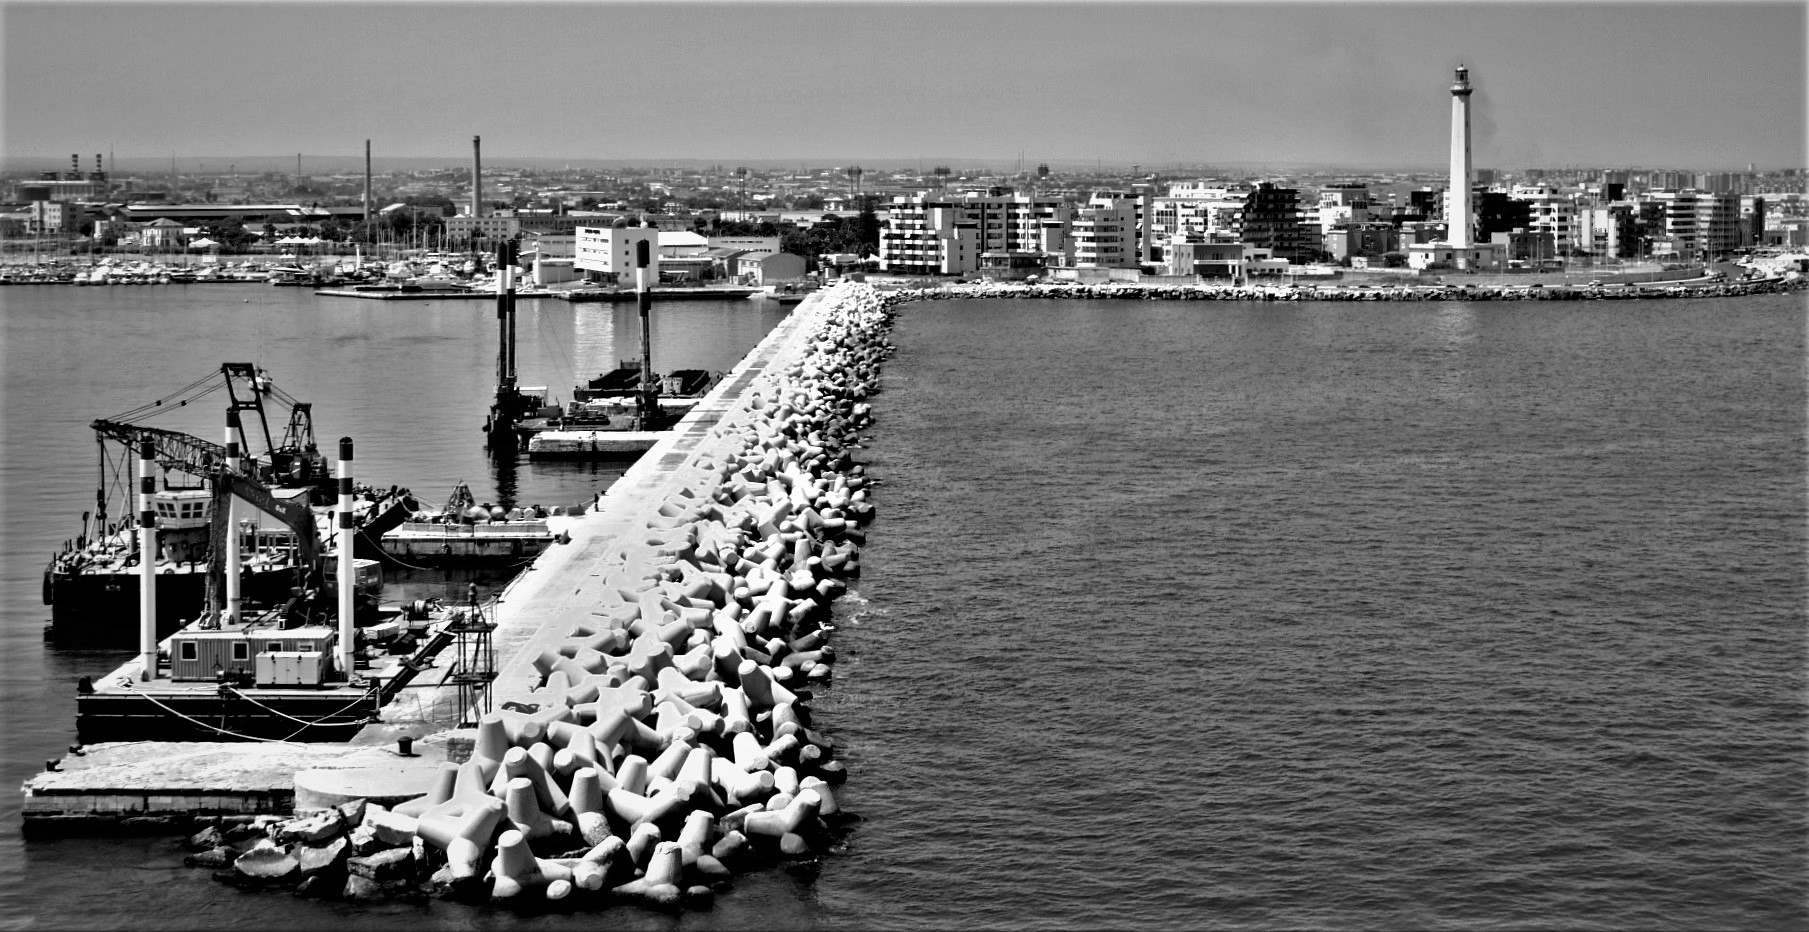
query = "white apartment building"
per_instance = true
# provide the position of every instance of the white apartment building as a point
(608, 253)
(1343, 204)
(60, 217)
(1104, 234)
(1194, 210)
(928, 234)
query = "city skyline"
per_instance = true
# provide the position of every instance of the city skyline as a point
(1709, 86)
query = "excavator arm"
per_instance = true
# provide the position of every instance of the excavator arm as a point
(227, 483)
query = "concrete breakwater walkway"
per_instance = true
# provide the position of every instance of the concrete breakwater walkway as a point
(1443, 292)
(652, 730)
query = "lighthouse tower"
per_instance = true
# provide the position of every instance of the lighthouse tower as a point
(1459, 216)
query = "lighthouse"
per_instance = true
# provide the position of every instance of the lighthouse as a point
(1458, 215)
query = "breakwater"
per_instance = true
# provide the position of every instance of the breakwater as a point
(665, 741)
(1166, 292)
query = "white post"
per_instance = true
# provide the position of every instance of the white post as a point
(234, 594)
(346, 581)
(147, 560)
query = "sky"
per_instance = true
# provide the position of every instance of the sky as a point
(1705, 85)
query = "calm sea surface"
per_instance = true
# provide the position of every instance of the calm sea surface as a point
(1176, 615)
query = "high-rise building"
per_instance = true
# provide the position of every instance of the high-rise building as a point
(1272, 221)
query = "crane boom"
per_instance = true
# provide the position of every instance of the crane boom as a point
(175, 450)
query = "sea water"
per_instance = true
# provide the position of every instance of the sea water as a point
(1174, 615)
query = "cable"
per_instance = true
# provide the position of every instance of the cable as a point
(153, 700)
(320, 722)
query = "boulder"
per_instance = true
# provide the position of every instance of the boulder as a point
(313, 829)
(216, 858)
(267, 864)
(317, 858)
(363, 840)
(353, 811)
(389, 864)
(207, 839)
(361, 889)
(392, 829)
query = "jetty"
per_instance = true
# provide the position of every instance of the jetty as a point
(645, 679)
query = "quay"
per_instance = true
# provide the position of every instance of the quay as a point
(611, 571)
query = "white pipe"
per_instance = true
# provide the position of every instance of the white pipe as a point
(147, 561)
(234, 593)
(346, 581)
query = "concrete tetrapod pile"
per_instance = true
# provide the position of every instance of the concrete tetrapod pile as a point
(673, 746)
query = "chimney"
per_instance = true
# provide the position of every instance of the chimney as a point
(477, 177)
(367, 181)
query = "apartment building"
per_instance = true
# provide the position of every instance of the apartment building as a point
(1607, 230)
(1360, 240)
(1701, 224)
(490, 227)
(1104, 234)
(58, 217)
(1193, 210)
(929, 234)
(1342, 205)
(1549, 210)
(1272, 221)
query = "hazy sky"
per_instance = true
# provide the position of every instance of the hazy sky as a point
(1654, 84)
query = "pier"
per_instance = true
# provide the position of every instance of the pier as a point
(618, 568)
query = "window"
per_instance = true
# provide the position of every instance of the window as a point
(190, 651)
(241, 650)
(273, 645)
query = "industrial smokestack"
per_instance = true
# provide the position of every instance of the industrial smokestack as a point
(75, 167)
(367, 181)
(477, 177)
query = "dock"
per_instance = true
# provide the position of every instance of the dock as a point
(427, 294)
(592, 444)
(659, 293)
(602, 556)
(576, 296)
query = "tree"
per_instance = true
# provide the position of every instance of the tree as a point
(231, 234)
(866, 230)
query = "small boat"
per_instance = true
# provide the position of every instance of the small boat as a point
(292, 275)
(622, 381)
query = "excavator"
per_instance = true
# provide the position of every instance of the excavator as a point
(305, 603)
